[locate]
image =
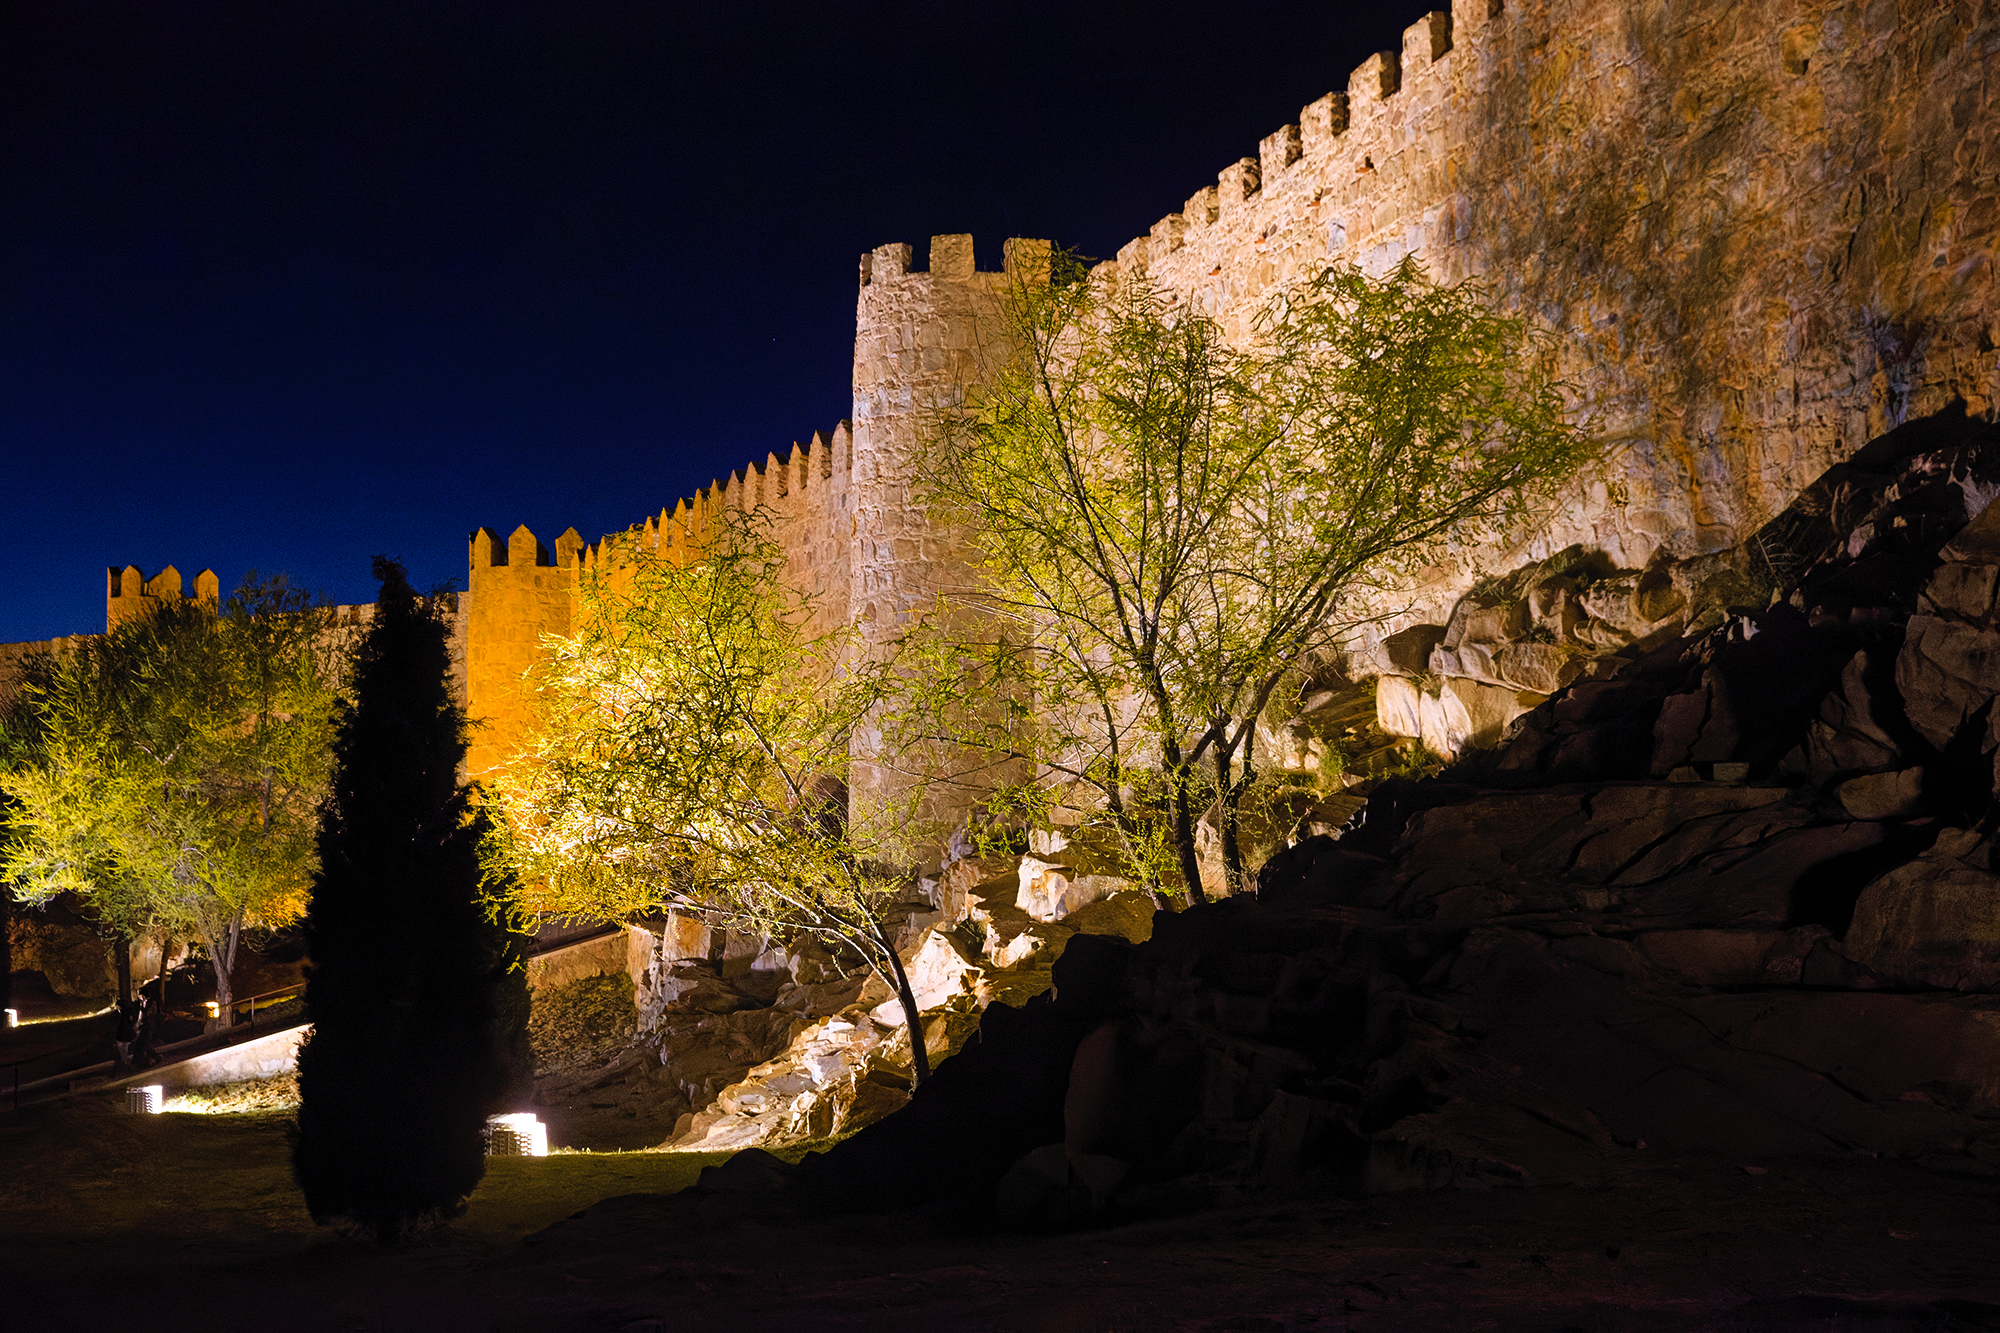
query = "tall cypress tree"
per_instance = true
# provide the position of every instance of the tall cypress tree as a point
(417, 998)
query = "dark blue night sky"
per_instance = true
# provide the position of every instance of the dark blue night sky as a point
(284, 285)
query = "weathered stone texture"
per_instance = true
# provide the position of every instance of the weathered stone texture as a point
(921, 339)
(1765, 232)
(519, 592)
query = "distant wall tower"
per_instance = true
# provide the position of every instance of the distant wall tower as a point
(519, 592)
(129, 594)
(921, 339)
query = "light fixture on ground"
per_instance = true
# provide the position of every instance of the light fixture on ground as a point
(145, 1100)
(518, 1135)
(13, 1018)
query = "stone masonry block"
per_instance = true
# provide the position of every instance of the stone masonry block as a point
(889, 261)
(1025, 260)
(1469, 16)
(1203, 207)
(951, 256)
(1376, 78)
(1237, 182)
(1427, 40)
(1323, 121)
(1278, 151)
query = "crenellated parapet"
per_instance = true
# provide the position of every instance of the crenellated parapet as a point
(1754, 225)
(922, 338)
(518, 592)
(806, 494)
(521, 591)
(130, 595)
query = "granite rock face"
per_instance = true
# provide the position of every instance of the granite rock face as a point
(1730, 891)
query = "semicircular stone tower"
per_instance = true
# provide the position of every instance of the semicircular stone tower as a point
(921, 340)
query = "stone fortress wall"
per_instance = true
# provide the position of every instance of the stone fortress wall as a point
(843, 505)
(1766, 230)
(127, 593)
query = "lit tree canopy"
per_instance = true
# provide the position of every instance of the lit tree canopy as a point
(691, 752)
(173, 769)
(1168, 524)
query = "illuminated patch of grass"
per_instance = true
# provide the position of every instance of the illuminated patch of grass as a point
(83, 1184)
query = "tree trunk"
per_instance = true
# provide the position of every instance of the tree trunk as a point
(225, 965)
(1228, 794)
(121, 949)
(1177, 771)
(913, 1018)
(6, 952)
(1184, 848)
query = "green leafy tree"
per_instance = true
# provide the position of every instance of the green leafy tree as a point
(418, 991)
(171, 769)
(691, 751)
(1169, 525)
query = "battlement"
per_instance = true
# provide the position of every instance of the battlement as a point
(128, 591)
(803, 484)
(1334, 123)
(521, 550)
(952, 261)
(1662, 197)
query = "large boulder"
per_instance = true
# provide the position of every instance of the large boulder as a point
(1050, 891)
(1935, 921)
(1407, 652)
(1857, 727)
(75, 959)
(939, 972)
(1948, 673)
(1462, 715)
(1399, 707)
(1655, 856)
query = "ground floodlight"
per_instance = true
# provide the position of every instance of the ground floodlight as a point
(13, 1018)
(146, 1100)
(520, 1134)
(214, 1009)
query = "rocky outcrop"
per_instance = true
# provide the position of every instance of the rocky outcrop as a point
(1851, 561)
(1934, 922)
(839, 1073)
(1728, 890)
(54, 941)
(741, 1043)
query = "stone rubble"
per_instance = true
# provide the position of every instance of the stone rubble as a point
(1735, 895)
(1730, 890)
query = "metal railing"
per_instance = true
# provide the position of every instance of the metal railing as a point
(289, 993)
(13, 1075)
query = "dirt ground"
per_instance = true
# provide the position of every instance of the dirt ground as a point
(191, 1222)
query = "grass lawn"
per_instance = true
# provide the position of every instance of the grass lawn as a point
(84, 1184)
(189, 1223)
